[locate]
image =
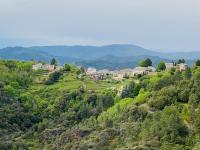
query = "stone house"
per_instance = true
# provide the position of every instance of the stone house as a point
(40, 66)
(99, 76)
(90, 71)
(118, 76)
(143, 70)
(37, 66)
(169, 66)
(48, 67)
(182, 67)
(59, 68)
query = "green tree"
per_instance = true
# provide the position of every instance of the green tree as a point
(161, 66)
(181, 61)
(108, 123)
(84, 111)
(130, 90)
(145, 63)
(165, 126)
(54, 62)
(148, 62)
(82, 69)
(105, 101)
(187, 73)
(197, 63)
(54, 77)
(164, 97)
(67, 67)
(197, 119)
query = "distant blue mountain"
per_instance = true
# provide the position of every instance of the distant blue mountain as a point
(25, 54)
(116, 55)
(93, 52)
(21, 53)
(114, 62)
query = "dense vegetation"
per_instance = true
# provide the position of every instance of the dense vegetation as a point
(145, 63)
(63, 111)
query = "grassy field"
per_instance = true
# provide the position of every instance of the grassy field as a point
(68, 83)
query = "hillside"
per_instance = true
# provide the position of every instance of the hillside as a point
(160, 111)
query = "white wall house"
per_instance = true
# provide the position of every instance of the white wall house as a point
(142, 70)
(169, 66)
(90, 71)
(59, 68)
(40, 66)
(118, 76)
(37, 66)
(151, 69)
(48, 67)
(104, 71)
(182, 67)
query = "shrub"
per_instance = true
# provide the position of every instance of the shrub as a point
(164, 97)
(54, 77)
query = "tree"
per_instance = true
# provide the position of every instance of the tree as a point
(67, 67)
(187, 73)
(145, 63)
(104, 101)
(108, 123)
(82, 69)
(161, 66)
(197, 119)
(130, 90)
(164, 97)
(148, 62)
(167, 126)
(142, 63)
(54, 77)
(181, 61)
(84, 111)
(54, 62)
(11, 64)
(197, 63)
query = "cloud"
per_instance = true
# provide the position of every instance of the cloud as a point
(165, 24)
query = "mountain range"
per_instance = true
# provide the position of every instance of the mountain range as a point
(114, 56)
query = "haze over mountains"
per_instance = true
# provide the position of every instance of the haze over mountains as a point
(110, 56)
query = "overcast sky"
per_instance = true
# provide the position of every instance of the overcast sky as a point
(153, 24)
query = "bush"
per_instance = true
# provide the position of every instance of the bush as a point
(164, 97)
(67, 67)
(54, 77)
(130, 90)
(165, 126)
(145, 63)
(161, 66)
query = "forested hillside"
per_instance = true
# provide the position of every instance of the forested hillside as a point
(61, 110)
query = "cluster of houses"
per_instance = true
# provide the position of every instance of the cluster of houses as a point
(180, 67)
(46, 67)
(118, 74)
(98, 75)
(121, 74)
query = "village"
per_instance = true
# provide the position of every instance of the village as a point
(118, 75)
(126, 73)
(47, 67)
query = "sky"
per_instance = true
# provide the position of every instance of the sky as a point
(162, 25)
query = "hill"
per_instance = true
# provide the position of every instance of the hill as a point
(80, 52)
(158, 111)
(114, 62)
(94, 52)
(110, 56)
